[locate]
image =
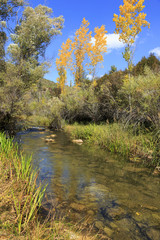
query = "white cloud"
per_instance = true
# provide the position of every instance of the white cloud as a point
(113, 42)
(156, 51)
(89, 77)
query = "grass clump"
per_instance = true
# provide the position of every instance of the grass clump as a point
(116, 139)
(23, 195)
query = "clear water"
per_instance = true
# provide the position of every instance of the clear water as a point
(119, 198)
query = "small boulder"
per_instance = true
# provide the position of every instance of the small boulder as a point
(116, 213)
(78, 207)
(99, 225)
(77, 141)
(153, 233)
(91, 212)
(108, 231)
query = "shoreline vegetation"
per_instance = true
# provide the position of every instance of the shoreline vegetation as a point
(140, 148)
(21, 208)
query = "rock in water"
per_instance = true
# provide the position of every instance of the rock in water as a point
(78, 207)
(77, 141)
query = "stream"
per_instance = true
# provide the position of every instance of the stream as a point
(96, 188)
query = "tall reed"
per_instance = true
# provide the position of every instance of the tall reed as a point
(26, 195)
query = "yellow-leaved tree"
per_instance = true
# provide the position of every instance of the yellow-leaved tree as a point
(97, 48)
(81, 52)
(80, 47)
(129, 24)
(63, 62)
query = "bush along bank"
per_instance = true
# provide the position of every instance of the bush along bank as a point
(21, 200)
(116, 139)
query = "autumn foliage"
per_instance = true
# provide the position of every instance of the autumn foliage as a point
(81, 52)
(98, 48)
(63, 62)
(131, 20)
(129, 24)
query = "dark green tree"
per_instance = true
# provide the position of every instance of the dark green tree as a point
(8, 9)
(152, 62)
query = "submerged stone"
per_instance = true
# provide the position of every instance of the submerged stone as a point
(90, 212)
(116, 212)
(149, 207)
(153, 233)
(108, 231)
(78, 207)
(127, 229)
(99, 225)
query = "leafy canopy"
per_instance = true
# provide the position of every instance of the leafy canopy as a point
(131, 20)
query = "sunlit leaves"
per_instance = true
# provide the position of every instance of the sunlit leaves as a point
(83, 50)
(65, 55)
(62, 78)
(99, 47)
(130, 22)
(80, 47)
(63, 62)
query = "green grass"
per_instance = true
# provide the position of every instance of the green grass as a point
(116, 139)
(24, 194)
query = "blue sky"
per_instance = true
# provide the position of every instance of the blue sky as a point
(98, 13)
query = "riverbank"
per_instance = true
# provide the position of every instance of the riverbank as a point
(21, 200)
(114, 138)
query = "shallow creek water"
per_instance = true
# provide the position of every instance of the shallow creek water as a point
(119, 198)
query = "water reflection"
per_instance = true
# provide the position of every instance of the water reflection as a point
(120, 198)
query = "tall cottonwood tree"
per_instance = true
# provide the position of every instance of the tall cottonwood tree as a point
(74, 54)
(129, 24)
(80, 48)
